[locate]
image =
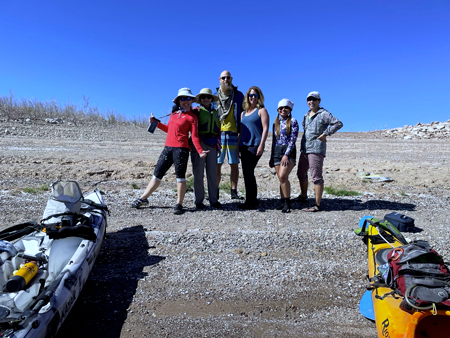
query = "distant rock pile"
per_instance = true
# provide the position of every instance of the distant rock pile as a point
(437, 130)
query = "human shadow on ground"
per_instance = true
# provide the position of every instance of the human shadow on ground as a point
(336, 204)
(101, 308)
(339, 204)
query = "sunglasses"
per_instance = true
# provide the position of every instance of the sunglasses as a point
(205, 97)
(226, 77)
(185, 98)
(253, 95)
(284, 108)
(312, 99)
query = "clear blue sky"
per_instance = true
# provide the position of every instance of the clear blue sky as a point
(377, 64)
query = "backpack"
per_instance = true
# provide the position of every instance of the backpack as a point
(420, 275)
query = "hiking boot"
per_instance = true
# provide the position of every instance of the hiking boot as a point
(200, 206)
(139, 203)
(235, 196)
(217, 205)
(178, 210)
(287, 206)
(281, 205)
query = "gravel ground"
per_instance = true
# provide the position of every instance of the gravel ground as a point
(224, 273)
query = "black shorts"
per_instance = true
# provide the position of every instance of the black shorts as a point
(169, 156)
(279, 153)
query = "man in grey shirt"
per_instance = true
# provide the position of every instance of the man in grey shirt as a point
(318, 123)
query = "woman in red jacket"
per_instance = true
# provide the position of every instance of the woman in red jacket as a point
(176, 149)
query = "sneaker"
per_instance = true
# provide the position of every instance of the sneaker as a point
(248, 206)
(139, 203)
(178, 210)
(200, 206)
(217, 205)
(301, 199)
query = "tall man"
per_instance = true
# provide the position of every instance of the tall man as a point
(229, 108)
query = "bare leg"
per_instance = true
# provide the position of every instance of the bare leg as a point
(318, 190)
(283, 176)
(151, 187)
(277, 170)
(234, 175)
(304, 188)
(181, 191)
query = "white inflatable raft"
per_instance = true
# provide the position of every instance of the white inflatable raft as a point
(62, 247)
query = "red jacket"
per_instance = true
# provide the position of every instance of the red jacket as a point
(178, 128)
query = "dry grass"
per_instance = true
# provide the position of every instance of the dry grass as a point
(12, 108)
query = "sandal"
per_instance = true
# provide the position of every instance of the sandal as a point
(314, 208)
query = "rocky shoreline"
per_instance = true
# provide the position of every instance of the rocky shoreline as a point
(436, 130)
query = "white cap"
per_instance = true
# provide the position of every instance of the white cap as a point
(314, 94)
(286, 103)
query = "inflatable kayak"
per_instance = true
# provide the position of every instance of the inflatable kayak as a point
(391, 318)
(44, 265)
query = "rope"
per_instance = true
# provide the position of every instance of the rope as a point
(432, 306)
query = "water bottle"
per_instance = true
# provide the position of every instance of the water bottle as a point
(384, 272)
(22, 277)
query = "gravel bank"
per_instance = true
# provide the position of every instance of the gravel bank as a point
(224, 272)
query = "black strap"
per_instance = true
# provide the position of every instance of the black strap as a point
(59, 215)
(94, 205)
(19, 230)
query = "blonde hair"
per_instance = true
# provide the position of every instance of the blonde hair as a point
(288, 125)
(259, 104)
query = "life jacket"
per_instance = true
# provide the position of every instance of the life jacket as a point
(208, 122)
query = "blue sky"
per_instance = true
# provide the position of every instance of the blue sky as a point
(377, 64)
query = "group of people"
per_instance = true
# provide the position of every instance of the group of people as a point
(233, 125)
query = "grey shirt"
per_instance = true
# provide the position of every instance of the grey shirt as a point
(321, 123)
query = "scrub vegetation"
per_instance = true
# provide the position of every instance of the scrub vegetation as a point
(340, 192)
(35, 190)
(12, 108)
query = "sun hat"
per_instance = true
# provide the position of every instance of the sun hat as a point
(314, 94)
(184, 92)
(286, 103)
(207, 91)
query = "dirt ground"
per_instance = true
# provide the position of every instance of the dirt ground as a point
(223, 273)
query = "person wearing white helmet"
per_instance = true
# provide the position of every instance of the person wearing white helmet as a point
(318, 123)
(176, 149)
(284, 152)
